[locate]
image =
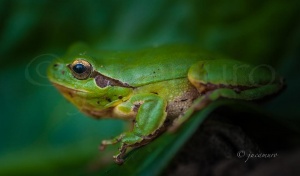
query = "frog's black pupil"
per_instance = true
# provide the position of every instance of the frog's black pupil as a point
(79, 68)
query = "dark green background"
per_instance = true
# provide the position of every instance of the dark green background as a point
(40, 132)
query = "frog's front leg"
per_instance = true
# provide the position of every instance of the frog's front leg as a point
(150, 111)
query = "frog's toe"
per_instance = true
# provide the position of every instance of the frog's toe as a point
(102, 147)
(122, 151)
(104, 143)
(129, 139)
(118, 160)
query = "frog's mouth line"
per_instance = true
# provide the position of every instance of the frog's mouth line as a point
(101, 81)
(68, 90)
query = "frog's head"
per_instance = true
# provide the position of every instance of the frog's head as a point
(78, 79)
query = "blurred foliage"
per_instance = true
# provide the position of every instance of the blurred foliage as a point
(42, 133)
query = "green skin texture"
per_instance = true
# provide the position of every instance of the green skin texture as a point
(156, 77)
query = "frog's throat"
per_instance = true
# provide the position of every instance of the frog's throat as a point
(104, 81)
(70, 94)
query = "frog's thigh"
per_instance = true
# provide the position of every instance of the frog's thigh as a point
(150, 117)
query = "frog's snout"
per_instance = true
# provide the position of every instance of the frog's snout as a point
(56, 71)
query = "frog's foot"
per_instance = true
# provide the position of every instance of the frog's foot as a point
(119, 157)
(134, 140)
(122, 151)
(128, 139)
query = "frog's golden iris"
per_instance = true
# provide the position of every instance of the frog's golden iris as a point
(81, 69)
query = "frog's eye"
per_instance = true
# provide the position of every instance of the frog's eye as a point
(81, 69)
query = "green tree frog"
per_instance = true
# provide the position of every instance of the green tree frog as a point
(156, 88)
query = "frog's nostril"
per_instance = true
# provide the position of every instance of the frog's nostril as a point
(55, 65)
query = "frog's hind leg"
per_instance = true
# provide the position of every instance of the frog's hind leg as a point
(204, 73)
(208, 97)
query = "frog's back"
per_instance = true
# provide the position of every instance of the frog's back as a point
(138, 68)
